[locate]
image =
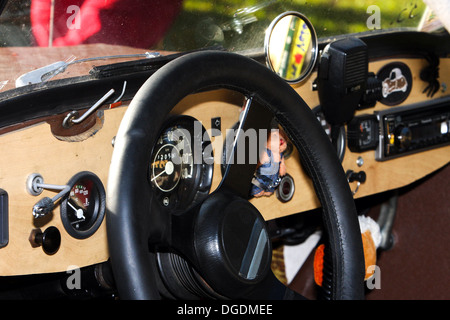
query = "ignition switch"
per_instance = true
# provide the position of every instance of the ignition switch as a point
(356, 176)
(359, 177)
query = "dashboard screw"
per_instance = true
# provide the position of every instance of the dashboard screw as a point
(360, 161)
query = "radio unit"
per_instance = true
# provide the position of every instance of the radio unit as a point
(401, 131)
(413, 129)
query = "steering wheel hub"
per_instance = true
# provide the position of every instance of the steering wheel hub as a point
(231, 239)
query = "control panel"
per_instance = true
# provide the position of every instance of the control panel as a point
(401, 131)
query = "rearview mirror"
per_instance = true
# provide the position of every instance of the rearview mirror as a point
(291, 46)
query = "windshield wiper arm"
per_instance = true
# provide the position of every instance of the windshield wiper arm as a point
(46, 73)
(142, 65)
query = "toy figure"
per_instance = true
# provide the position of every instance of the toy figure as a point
(271, 166)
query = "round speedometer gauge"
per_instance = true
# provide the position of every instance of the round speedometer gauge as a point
(173, 160)
(179, 173)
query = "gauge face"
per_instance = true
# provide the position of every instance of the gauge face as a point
(174, 177)
(82, 211)
(173, 160)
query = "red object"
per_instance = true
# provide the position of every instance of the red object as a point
(122, 22)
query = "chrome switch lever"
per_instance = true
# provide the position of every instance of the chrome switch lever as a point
(35, 186)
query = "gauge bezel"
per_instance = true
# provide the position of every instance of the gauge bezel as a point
(184, 195)
(99, 206)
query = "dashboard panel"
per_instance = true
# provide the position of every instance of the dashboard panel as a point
(37, 147)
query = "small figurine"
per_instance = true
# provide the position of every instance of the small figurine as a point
(271, 166)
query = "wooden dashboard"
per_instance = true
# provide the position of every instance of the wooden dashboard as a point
(34, 148)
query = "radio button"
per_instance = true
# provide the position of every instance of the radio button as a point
(403, 137)
(444, 127)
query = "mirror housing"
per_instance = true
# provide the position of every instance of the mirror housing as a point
(291, 46)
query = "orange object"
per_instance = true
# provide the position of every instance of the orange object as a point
(370, 252)
(318, 264)
(115, 104)
(370, 257)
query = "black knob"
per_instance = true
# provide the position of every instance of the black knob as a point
(50, 239)
(356, 176)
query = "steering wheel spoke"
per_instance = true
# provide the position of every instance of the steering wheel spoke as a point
(243, 152)
(181, 237)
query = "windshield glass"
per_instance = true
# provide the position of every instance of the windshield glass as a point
(169, 26)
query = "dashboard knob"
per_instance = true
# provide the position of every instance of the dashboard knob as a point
(403, 137)
(356, 176)
(50, 239)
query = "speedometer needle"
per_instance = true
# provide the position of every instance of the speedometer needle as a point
(168, 169)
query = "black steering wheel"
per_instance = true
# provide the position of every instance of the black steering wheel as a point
(220, 247)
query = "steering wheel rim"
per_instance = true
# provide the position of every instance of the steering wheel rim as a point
(129, 224)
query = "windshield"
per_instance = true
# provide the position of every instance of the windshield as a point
(171, 26)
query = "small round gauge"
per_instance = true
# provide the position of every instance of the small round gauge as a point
(178, 173)
(83, 209)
